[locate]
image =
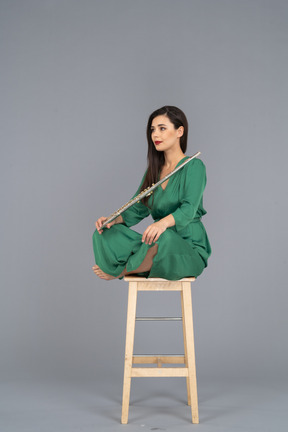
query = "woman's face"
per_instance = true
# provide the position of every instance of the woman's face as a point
(163, 133)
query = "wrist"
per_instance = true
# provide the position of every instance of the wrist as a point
(168, 221)
(164, 222)
(118, 220)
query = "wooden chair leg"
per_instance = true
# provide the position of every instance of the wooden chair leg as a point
(190, 346)
(185, 350)
(130, 331)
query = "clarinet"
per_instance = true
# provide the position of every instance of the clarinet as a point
(148, 191)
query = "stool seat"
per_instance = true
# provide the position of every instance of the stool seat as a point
(140, 278)
(138, 283)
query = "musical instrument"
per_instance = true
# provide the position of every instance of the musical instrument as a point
(148, 191)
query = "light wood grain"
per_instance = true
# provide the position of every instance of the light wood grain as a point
(136, 284)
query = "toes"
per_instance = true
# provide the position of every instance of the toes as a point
(101, 274)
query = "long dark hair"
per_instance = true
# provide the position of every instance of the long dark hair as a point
(156, 159)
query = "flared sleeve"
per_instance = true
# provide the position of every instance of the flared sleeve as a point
(192, 188)
(136, 212)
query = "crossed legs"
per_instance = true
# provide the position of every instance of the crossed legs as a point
(144, 266)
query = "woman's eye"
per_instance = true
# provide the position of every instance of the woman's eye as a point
(152, 130)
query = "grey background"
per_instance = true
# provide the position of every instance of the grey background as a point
(78, 82)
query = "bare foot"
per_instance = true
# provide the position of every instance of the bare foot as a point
(101, 274)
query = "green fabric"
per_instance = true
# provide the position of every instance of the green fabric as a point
(183, 249)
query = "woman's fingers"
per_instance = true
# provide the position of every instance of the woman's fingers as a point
(148, 236)
(156, 238)
(153, 232)
(99, 223)
(145, 236)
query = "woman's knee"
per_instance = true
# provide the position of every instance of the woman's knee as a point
(107, 232)
(168, 236)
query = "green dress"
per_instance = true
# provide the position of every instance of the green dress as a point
(183, 249)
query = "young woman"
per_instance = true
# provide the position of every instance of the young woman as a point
(176, 245)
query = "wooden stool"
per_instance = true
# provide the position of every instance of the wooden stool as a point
(136, 284)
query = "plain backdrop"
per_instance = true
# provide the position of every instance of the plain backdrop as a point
(79, 80)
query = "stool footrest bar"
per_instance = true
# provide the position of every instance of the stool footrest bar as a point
(154, 359)
(158, 318)
(159, 372)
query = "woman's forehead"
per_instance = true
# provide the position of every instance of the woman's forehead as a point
(160, 120)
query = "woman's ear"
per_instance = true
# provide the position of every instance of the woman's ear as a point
(180, 131)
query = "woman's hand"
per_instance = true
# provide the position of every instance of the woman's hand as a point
(100, 222)
(153, 232)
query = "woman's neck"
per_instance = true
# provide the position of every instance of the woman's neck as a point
(172, 159)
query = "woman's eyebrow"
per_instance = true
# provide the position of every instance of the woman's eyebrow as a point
(161, 124)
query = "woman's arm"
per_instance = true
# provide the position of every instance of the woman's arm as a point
(153, 231)
(119, 220)
(192, 192)
(191, 189)
(168, 221)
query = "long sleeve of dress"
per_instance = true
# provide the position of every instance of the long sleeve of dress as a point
(183, 249)
(136, 212)
(193, 187)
